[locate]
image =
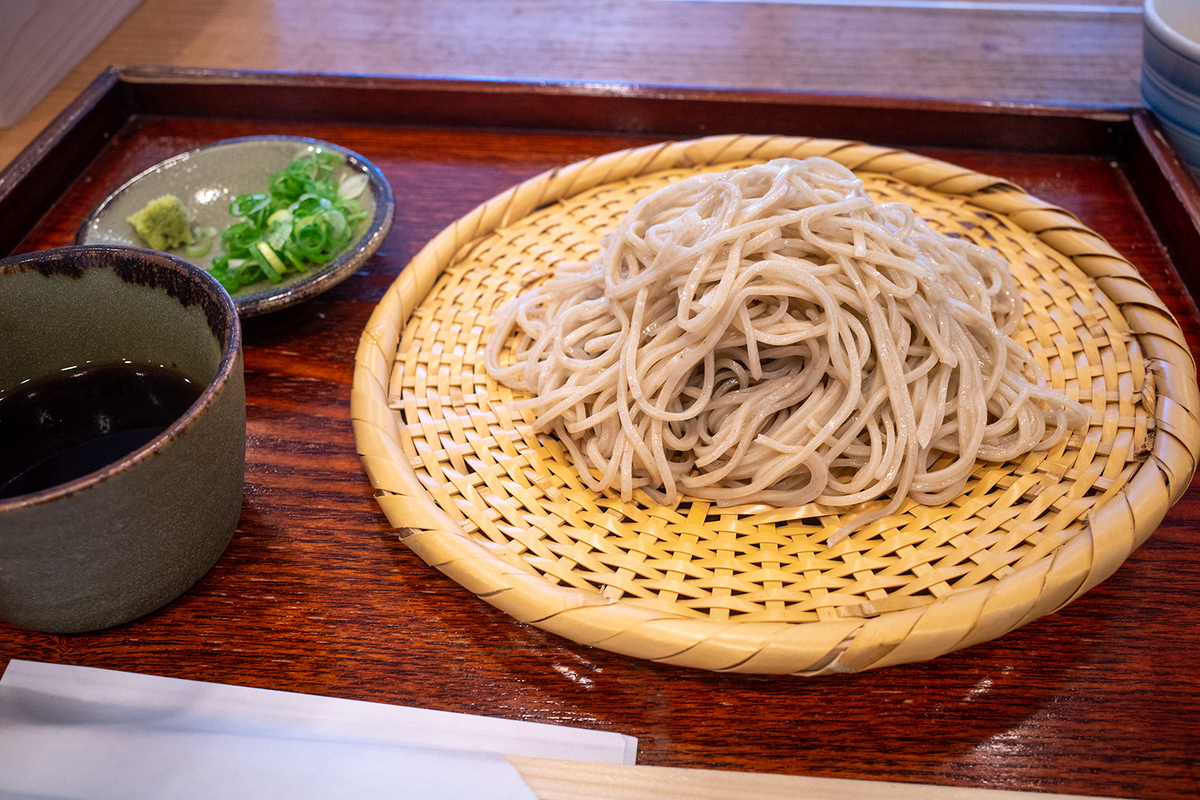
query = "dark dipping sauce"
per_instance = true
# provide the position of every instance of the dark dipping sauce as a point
(63, 426)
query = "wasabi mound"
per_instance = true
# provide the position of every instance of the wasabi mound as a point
(163, 223)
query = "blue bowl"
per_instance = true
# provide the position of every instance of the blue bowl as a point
(1171, 71)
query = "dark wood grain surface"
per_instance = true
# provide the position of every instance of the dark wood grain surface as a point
(1048, 51)
(316, 594)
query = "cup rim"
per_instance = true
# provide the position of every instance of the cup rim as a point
(229, 356)
(1169, 36)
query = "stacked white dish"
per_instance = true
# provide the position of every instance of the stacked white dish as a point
(1171, 71)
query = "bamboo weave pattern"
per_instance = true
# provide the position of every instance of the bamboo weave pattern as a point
(475, 493)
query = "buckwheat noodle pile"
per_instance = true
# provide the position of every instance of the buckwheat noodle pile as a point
(772, 335)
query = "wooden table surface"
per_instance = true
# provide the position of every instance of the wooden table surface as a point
(1051, 51)
(317, 595)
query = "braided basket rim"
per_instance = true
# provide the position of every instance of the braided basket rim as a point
(960, 619)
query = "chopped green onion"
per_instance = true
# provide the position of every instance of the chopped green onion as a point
(306, 217)
(270, 262)
(202, 239)
(352, 186)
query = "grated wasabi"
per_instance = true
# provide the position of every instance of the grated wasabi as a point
(163, 223)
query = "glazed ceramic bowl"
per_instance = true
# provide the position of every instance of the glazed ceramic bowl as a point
(208, 178)
(131, 536)
(1171, 71)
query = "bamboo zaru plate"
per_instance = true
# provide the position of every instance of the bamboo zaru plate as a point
(502, 511)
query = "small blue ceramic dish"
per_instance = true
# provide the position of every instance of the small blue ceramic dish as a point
(208, 178)
(1171, 71)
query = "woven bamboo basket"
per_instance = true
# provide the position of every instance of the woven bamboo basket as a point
(502, 511)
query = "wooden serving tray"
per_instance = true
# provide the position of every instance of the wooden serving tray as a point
(1093, 161)
(316, 587)
(1111, 166)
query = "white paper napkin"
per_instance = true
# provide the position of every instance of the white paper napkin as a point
(91, 734)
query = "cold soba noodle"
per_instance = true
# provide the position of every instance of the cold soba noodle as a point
(772, 335)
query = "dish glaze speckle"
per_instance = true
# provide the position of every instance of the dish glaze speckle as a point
(208, 178)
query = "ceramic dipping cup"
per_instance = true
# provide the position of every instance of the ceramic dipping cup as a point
(122, 541)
